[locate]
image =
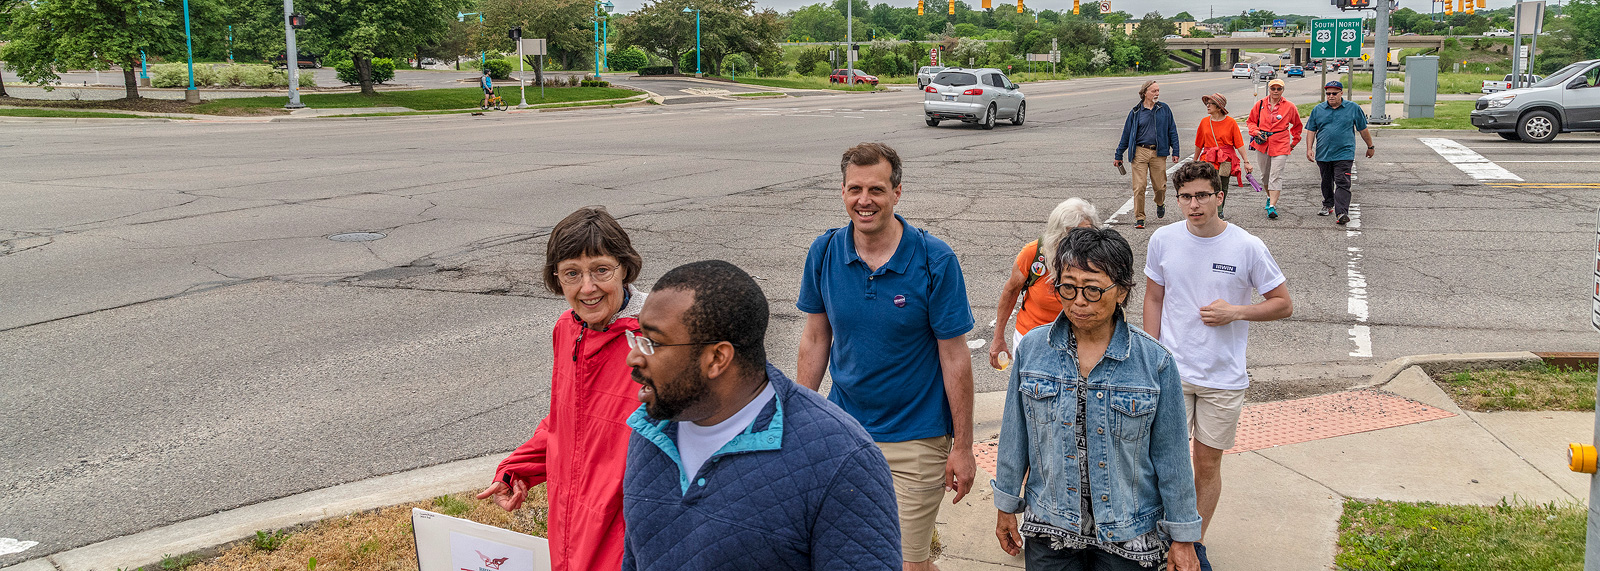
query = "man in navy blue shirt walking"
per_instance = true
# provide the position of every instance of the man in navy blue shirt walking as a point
(731, 465)
(888, 316)
(1149, 135)
(1331, 143)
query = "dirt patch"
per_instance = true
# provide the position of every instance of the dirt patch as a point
(141, 104)
(378, 540)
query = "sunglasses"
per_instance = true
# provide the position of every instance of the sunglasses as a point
(1275, 89)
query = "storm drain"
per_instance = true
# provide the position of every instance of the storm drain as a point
(357, 237)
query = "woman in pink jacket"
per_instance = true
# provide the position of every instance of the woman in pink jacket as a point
(580, 449)
(1275, 129)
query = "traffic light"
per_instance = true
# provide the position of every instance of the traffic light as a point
(987, 4)
(1074, 7)
(515, 34)
(919, 7)
(1449, 7)
(951, 4)
(1019, 6)
(1470, 5)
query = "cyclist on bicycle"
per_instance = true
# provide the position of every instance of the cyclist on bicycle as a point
(488, 87)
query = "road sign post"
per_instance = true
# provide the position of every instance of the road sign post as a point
(1338, 38)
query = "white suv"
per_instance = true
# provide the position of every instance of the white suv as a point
(1243, 70)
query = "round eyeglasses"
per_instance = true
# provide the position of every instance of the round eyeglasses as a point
(1091, 294)
(598, 275)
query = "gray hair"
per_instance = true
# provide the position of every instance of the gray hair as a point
(1067, 215)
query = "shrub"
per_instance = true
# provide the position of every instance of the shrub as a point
(821, 69)
(626, 59)
(595, 83)
(736, 64)
(177, 75)
(687, 62)
(808, 58)
(382, 71)
(656, 70)
(497, 68)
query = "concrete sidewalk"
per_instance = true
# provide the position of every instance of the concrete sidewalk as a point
(1280, 506)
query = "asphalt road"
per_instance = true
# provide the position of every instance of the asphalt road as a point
(181, 337)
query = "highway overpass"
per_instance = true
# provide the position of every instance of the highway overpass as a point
(1219, 54)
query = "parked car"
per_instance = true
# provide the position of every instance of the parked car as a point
(1295, 71)
(973, 96)
(307, 60)
(840, 76)
(1243, 70)
(925, 74)
(1567, 101)
(1497, 33)
(1498, 85)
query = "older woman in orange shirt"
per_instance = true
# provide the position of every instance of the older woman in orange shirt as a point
(1218, 140)
(1040, 306)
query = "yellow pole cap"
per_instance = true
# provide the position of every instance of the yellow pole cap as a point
(1581, 458)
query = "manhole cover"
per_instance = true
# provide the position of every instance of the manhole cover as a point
(356, 237)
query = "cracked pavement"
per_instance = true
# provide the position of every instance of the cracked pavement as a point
(181, 337)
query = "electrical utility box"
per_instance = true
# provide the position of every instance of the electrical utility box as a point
(1422, 86)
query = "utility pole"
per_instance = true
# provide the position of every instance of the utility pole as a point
(1380, 62)
(850, 43)
(293, 61)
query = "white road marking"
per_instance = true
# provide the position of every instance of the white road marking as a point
(9, 546)
(1550, 161)
(1356, 306)
(1467, 160)
(1126, 206)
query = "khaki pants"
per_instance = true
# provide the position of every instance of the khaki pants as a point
(1213, 414)
(1271, 169)
(917, 467)
(1152, 168)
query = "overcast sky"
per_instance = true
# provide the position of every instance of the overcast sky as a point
(1201, 10)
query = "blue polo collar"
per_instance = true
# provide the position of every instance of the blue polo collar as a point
(770, 437)
(1118, 349)
(902, 253)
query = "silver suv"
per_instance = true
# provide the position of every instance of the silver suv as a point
(973, 96)
(926, 73)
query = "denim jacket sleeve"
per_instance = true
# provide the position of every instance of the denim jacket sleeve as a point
(1169, 446)
(1122, 143)
(1011, 462)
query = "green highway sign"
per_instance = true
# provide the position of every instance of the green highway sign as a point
(1336, 38)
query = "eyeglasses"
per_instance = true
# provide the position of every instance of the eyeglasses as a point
(1090, 293)
(646, 346)
(1274, 89)
(598, 275)
(1195, 196)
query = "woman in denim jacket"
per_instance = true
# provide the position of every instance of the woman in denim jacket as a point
(1094, 445)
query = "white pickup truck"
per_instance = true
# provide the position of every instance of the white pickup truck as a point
(1498, 85)
(1497, 33)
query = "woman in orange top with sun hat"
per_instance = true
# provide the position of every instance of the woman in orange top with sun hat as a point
(1218, 139)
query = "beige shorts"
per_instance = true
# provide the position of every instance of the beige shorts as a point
(918, 470)
(1213, 414)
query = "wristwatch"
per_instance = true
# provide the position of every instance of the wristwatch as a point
(1370, 147)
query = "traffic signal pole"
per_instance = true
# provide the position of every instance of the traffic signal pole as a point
(1380, 62)
(293, 60)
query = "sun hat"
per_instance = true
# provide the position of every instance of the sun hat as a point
(1218, 100)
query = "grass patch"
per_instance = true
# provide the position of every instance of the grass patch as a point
(462, 111)
(1538, 387)
(1424, 536)
(758, 94)
(67, 114)
(379, 540)
(1450, 115)
(420, 100)
(805, 82)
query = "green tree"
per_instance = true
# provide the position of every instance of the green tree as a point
(567, 26)
(816, 23)
(374, 28)
(1183, 17)
(88, 34)
(1150, 38)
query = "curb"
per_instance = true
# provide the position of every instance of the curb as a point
(213, 532)
(1445, 363)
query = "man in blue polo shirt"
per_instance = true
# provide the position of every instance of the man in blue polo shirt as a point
(1330, 142)
(888, 316)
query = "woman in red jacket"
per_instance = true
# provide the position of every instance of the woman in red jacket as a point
(580, 449)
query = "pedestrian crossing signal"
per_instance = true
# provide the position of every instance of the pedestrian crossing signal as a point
(919, 8)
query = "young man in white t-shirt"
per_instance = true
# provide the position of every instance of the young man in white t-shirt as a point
(1201, 279)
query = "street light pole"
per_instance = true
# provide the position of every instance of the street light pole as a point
(598, 4)
(293, 61)
(697, 72)
(1380, 63)
(191, 95)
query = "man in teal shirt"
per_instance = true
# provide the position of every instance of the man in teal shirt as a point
(1330, 142)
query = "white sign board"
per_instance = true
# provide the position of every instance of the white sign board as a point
(533, 47)
(445, 543)
(1594, 320)
(1105, 6)
(1529, 17)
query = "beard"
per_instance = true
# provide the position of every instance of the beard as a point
(688, 388)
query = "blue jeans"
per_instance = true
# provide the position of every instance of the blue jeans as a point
(1038, 556)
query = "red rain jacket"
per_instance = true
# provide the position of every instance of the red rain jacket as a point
(580, 449)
